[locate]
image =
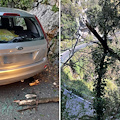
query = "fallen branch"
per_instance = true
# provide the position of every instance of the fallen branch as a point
(30, 107)
(35, 102)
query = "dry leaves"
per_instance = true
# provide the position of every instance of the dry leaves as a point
(36, 82)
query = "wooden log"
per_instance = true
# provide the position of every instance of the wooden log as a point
(35, 102)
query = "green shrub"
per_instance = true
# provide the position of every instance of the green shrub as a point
(54, 8)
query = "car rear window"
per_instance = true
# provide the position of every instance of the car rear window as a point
(19, 29)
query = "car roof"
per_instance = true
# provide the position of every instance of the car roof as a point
(17, 11)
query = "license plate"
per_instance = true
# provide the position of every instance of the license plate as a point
(17, 58)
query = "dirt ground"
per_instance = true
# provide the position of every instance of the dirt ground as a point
(47, 87)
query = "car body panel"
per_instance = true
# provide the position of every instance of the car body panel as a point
(20, 73)
(18, 11)
(32, 52)
(22, 59)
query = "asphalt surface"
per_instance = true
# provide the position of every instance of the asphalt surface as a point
(65, 55)
(18, 90)
(77, 106)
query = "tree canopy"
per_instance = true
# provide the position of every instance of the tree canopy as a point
(107, 20)
(104, 22)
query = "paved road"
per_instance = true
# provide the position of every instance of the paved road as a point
(77, 106)
(65, 55)
(17, 91)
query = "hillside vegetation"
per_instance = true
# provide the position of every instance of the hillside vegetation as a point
(94, 73)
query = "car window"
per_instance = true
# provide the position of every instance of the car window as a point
(20, 22)
(19, 29)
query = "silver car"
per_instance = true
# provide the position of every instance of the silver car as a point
(23, 45)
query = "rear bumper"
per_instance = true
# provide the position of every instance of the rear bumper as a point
(14, 75)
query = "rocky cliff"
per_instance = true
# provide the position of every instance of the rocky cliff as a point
(48, 14)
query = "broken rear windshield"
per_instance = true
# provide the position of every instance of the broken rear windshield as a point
(19, 29)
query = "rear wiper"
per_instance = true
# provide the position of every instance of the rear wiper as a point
(17, 39)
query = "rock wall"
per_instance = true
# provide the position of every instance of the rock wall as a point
(47, 16)
(48, 13)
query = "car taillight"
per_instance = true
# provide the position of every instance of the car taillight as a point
(11, 14)
(45, 66)
(41, 28)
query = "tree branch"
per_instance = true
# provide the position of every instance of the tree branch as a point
(103, 43)
(117, 5)
(72, 50)
(113, 54)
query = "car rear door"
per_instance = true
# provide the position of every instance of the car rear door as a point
(26, 52)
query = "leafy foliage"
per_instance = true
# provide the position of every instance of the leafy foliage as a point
(21, 4)
(69, 12)
(107, 21)
(54, 8)
(45, 2)
(105, 16)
